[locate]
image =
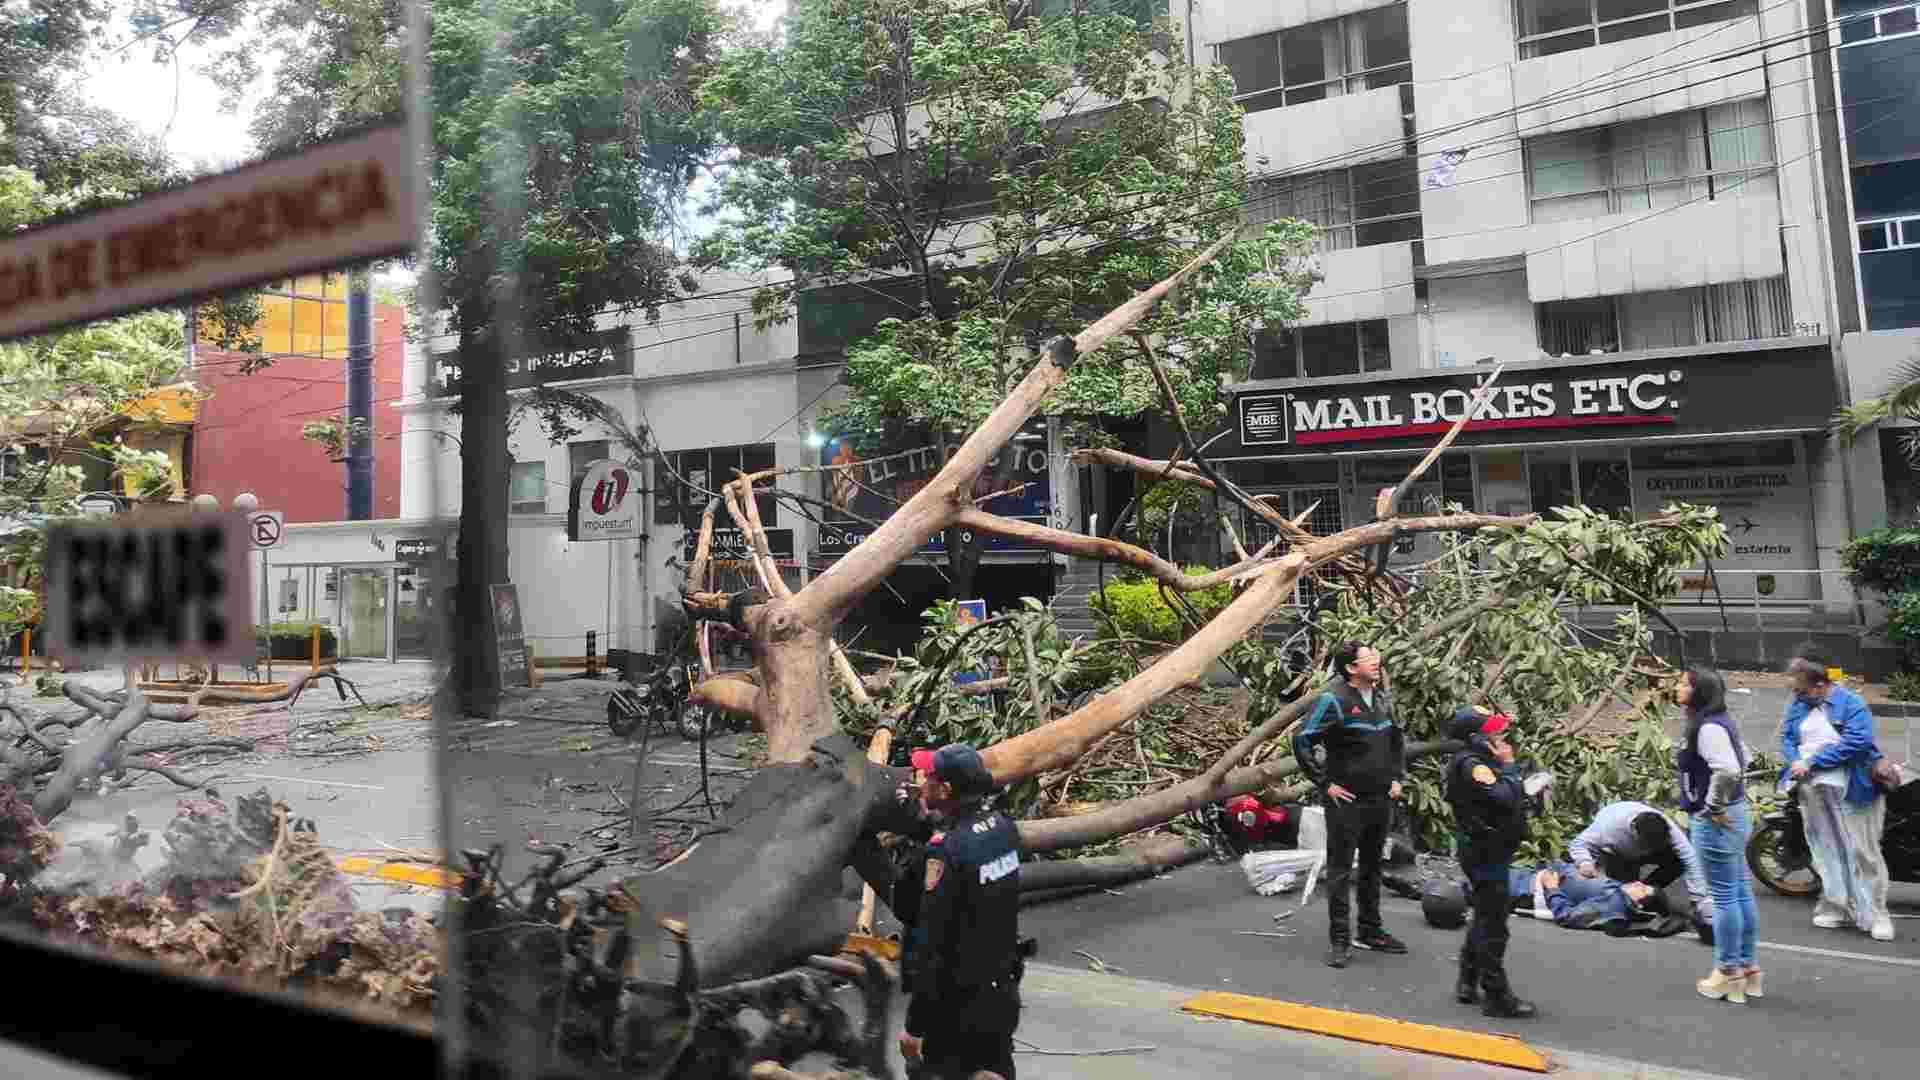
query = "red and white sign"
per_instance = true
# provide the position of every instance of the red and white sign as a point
(336, 204)
(609, 503)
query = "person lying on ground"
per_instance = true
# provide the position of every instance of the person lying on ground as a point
(1633, 842)
(1620, 909)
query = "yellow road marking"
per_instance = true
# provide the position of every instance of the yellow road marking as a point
(408, 873)
(1379, 1030)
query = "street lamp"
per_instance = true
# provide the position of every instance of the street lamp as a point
(246, 502)
(204, 502)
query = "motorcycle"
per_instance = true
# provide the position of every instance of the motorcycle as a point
(659, 698)
(1781, 860)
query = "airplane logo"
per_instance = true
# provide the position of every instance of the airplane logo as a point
(1745, 525)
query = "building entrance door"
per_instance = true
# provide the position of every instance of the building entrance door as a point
(365, 610)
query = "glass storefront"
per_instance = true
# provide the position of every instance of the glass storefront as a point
(1761, 489)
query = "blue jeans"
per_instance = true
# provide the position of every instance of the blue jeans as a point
(1723, 856)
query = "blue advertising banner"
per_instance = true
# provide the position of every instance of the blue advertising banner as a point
(871, 486)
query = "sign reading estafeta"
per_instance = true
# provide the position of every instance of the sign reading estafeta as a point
(1760, 490)
(151, 588)
(605, 503)
(731, 544)
(872, 487)
(603, 354)
(338, 203)
(1537, 402)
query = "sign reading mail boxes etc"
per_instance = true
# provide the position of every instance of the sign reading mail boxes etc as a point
(1538, 402)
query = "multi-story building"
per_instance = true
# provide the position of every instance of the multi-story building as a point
(1621, 201)
(1869, 69)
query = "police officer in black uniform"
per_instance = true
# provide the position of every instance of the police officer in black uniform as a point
(1489, 802)
(966, 962)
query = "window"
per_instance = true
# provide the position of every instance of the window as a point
(1365, 51)
(582, 454)
(1318, 352)
(1895, 22)
(1546, 27)
(683, 480)
(1653, 164)
(1735, 311)
(527, 487)
(1890, 234)
(1357, 207)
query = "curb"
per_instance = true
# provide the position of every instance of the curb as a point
(1379, 1030)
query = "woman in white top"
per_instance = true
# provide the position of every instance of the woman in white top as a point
(1829, 748)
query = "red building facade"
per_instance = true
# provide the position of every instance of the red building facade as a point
(247, 437)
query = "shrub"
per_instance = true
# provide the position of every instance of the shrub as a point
(294, 641)
(1905, 686)
(1886, 560)
(1135, 608)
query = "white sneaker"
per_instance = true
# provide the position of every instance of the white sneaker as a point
(1883, 930)
(1826, 921)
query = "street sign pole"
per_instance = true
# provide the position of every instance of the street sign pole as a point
(266, 619)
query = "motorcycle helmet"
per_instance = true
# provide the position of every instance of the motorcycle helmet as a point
(1444, 903)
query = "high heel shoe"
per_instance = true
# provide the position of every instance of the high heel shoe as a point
(1722, 986)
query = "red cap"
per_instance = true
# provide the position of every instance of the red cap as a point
(1496, 724)
(923, 760)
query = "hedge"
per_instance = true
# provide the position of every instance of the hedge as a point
(294, 641)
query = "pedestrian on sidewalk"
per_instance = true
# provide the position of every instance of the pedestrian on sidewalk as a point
(1829, 745)
(1366, 760)
(1489, 800)
(1713, 765)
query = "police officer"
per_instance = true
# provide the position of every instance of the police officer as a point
(1489, 802)
(966, 958)
(1366, 759)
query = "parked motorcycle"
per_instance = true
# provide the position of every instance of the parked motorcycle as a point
(659, 697)
(1780, 858)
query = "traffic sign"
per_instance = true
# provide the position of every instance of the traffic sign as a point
(149, 589)
(265, 527)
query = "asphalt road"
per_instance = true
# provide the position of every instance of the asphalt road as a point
(1825, 1015)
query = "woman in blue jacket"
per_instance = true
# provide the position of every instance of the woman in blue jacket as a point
(1829, 748)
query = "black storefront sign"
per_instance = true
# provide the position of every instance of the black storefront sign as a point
(509, 635)
(867, 488)
(732, 544)
(1551, 401)
(416, 551)
(599, 355)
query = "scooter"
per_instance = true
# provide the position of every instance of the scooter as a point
(1780, 858)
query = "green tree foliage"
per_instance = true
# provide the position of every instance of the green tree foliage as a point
(1551, 670)
(57, 394)
(995, 182)
(1887, 560)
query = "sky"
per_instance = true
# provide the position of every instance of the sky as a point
(177, 103)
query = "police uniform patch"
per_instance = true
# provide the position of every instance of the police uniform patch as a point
(1483, 774)
(935, 868)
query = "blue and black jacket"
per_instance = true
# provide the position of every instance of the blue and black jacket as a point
(1366, 750)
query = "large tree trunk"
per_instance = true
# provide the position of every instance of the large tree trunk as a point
(485, 470)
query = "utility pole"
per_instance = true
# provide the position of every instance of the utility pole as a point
(360, 397)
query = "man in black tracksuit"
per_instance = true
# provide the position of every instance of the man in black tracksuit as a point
(966, 961)
(1489, 801)
(1366, 760)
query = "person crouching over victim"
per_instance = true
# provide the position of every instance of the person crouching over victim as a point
(1489, 801)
